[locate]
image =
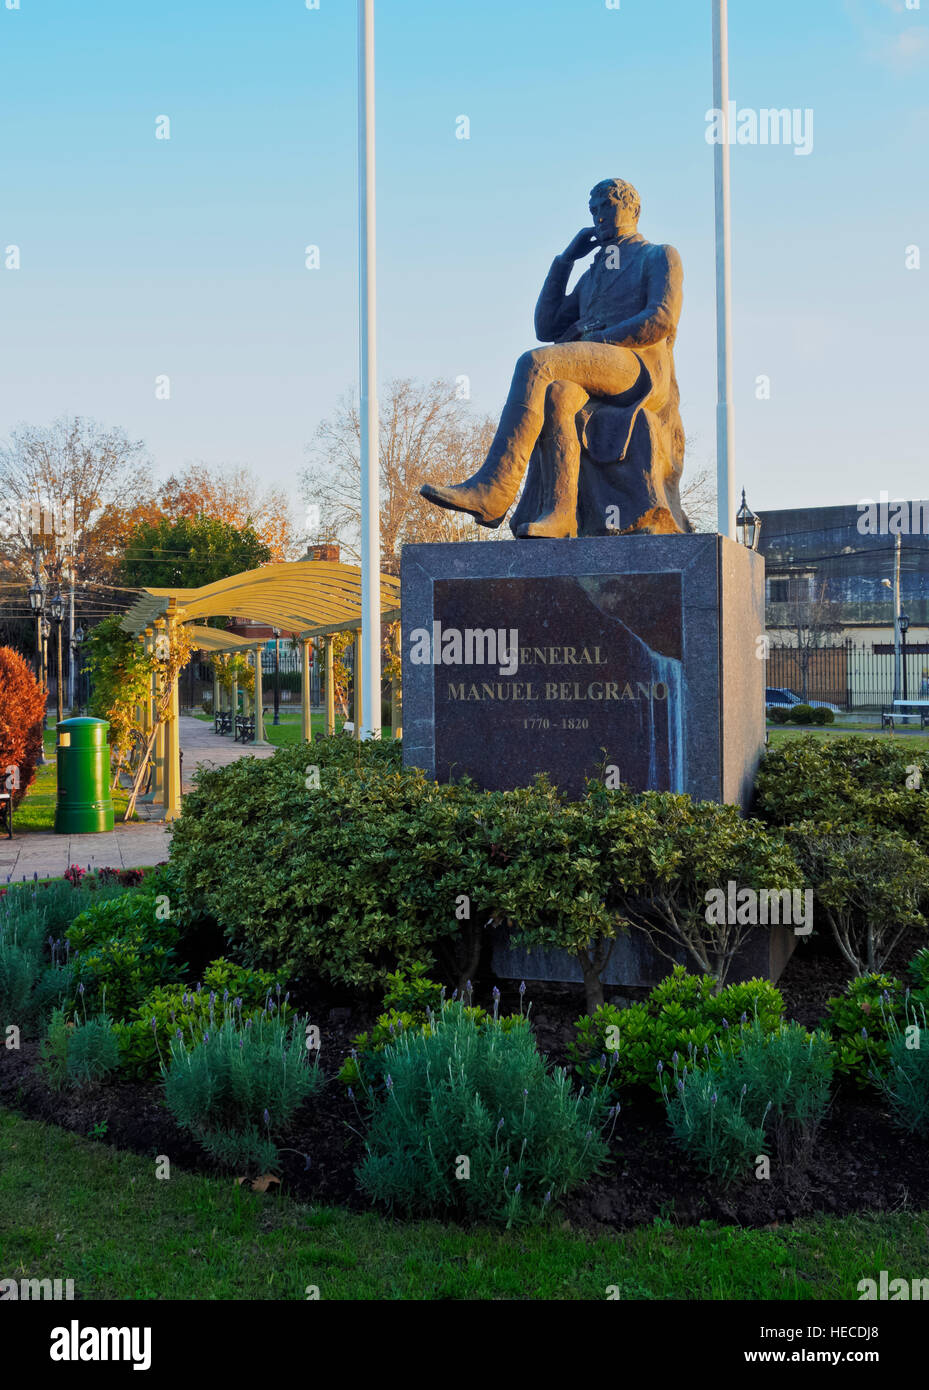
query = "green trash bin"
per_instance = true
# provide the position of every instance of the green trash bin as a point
(84, 802)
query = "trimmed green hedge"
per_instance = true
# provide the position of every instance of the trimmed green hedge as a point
(331, 859)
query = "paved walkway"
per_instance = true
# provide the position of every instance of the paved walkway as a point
(200, 744)
(128, 846)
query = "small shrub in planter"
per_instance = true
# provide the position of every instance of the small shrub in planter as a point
(92, 1053)
(683, 1017)
(769, 1097)
(352, 881)
(472, 1123)
(694, 847)
(821, 715)
(905, 1082)
(237, 1089)
(124, 970)
(145, 1036)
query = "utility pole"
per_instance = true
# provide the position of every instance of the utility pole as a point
(71, 633)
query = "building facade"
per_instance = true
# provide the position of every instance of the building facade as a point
(830, 600)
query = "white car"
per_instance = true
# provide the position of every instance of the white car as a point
(776, 698)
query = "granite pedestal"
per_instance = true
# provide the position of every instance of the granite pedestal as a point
(634, 657)
(636, 653)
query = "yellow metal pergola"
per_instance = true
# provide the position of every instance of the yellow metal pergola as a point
(313, 598)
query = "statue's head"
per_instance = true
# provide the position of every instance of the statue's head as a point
(615, 208)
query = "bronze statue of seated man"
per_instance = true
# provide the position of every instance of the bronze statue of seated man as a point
(592, 422)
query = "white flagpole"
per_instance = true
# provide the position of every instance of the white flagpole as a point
(725, 480)
(370, 476)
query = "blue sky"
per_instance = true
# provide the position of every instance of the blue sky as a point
(142, 257)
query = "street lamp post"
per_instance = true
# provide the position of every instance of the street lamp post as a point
(45, 627)
(748, 525)
(903, 623)
(277, 675)
(898, 609)
(37, 603)
(57, 612)
(76, 641)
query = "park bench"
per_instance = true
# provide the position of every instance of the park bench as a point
(6, 813)
(222, 721)
(901, 711)
(245, 727)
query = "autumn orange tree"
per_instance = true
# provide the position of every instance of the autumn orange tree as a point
(22, 709)
(233, 496)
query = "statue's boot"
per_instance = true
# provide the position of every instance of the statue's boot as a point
(489, 494)
(561, 521)
(564, 457)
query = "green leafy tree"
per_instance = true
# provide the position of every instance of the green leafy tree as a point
(121, 674)
(190, 552)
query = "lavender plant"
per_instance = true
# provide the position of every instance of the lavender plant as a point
(237, 1088)
(471, 1122)
(768, 1097)
(92, 1051)
(905, 1083)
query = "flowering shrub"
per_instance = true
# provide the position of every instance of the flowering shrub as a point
(472, 1122)
(236, 1089)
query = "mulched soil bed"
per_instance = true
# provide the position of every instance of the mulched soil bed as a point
(861, 1161)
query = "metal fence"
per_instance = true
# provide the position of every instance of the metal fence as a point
(854, 677)
(197, 678)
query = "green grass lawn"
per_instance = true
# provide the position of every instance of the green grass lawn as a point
(290, 729)
(780, 733)
(37, 810)
(74, 1208)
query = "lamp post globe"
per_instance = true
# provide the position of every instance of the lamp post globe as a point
(748, 525)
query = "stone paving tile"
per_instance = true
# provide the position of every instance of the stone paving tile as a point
(130, 847)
